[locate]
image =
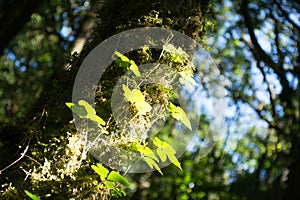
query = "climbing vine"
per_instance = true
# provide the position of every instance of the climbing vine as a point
(141, 100)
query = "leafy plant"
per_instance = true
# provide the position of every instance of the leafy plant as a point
(124, 62)
(177, 54)
(149, 157)
(187, 78)
(164, 151)
(156, 93)
(111, 180)
(179, 114)
(85, 110)
(136, 97)
(32, 196)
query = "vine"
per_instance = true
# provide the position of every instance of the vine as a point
(144, 100)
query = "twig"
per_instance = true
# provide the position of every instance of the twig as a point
(11, 164)
(33, 160)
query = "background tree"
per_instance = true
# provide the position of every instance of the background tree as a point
(256, 44)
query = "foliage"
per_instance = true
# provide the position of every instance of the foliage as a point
(111, 180)
(85, 110)
(136, 97)
(128, 64)
(180, 115)
(34, 57)
(254, 160)
(256, 47)
(32, 196)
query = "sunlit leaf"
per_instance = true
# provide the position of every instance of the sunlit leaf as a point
(146, 151)
(79, 110)
(135, 96)
(134, 68)
(162, 155)
(115, 176)
(151, 163)
(123, 58)
(149, 157)
(110, 185)
(143, 107)
(186, 121)
(179, 114)
(70, 105)
(32, 196)
(177, 54)
(89, 109)
(165, 150)
(124, 65)
(126, 62)
(102, 171)
(174, 160)
(97, 119)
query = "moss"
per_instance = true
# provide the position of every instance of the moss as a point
(49, 126)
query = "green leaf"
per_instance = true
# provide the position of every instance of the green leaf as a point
(89, 109)
(168, 149)
(165, 150)
(32, 196)
(143, 107)
(97, 119)
(109, 185)
(127, 92)
(151, 163)
(177, 54)
(174, 160)
(179, 114)
(186, 121)
(115, 176)
(162, 155)
(146, 151)
(70, 105)
(85, 110)
(79, 110)
(123, 58)
(135, 96)
(124, 65)
(102, 171)
(148, 156)
(134, 68)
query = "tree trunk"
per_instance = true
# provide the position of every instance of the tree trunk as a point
(50, 114)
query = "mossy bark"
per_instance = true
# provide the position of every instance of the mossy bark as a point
(50, 118)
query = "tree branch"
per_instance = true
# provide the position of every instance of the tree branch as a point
(271, 94)
(277, 43)
(286, 16)
(258, 52)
